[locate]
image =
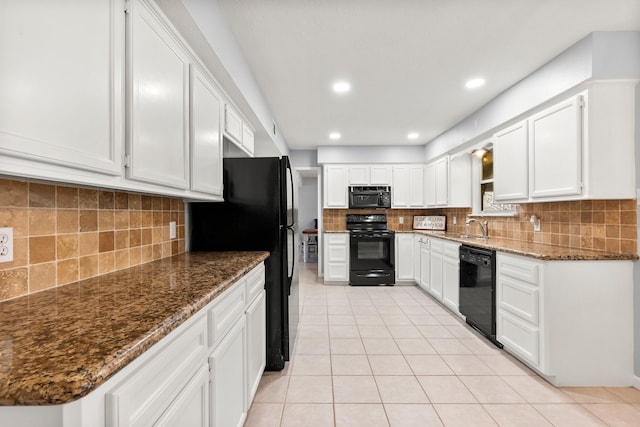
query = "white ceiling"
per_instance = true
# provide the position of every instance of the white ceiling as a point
(407, 60)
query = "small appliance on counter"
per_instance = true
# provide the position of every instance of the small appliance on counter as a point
(369, 197)
(434, 222)
(371, 250)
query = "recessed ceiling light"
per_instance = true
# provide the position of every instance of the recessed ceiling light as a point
(334, 135)
(341, 87)
(413, 135)
(474, 83)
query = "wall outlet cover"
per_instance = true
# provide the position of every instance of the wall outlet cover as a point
(6, 244)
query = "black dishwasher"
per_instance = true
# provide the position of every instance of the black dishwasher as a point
(478, 289)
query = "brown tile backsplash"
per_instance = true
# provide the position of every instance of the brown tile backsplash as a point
(604, 225)
(64, 234)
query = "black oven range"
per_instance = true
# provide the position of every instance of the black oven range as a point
(371, 250)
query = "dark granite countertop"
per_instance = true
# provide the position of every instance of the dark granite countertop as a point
(56, 346)
(533, 250)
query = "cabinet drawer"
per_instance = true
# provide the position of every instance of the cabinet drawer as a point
(227, 309)
(337, 253)
(451, 250)
(519, 337)
(255, 282)
(142, 397)
(336, 238)
(519, 298)
(517, 268)
(436, 245)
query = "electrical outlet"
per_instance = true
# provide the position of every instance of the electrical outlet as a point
(172, 230)
(455, 220)
(6, 244)
(401, 219)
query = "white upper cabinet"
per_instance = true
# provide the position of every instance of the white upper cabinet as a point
(237, 130)
(580, 148)
(380, 175)
(232, 123)
(555, 150)
(511, 163)
(369, 175)
(206, 135)
(437, 182)
(460, 181)
(248, 138)
(359, 174)
(158, 98)
(61, 85)
(335, 186)
(407, 189)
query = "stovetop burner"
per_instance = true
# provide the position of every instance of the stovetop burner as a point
(362, 222)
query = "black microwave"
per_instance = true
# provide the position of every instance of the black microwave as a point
(369, 197)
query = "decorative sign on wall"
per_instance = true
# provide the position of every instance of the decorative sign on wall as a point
(430, 222)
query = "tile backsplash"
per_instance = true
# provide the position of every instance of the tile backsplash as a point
(64, 234)
(604, 225)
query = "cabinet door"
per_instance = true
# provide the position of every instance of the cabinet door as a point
(435, 270)
(335, 188)
(430, 184)
(380, 175)
(404, 256)
(451, 282)
(232, 124)
(227, 381)
(248, 138)
(61, 79)
(417, 239)
(336, 257)
(416, 187)
(510, 163)
(555, 141)
(256, 344)
(400, 191)
(425, 263)
(191, 407)
(158, 66)
(460, 181)
(442, 181)
(358, 175)
(206, 135)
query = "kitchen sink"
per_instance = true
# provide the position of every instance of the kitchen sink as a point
(469, 236)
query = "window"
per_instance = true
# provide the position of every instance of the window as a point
(485, 183)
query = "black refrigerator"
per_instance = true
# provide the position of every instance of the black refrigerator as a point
(258, 213)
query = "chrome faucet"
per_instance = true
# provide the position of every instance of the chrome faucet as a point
(482, 225)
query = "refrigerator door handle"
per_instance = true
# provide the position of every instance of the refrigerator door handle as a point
(292, 198)
(293, 257)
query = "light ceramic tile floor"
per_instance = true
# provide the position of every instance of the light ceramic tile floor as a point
(393, 356)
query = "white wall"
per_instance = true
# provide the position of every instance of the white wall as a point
(373, 154)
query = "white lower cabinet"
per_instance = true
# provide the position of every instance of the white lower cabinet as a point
(435, 269)
(451, 275)
(417, 244)
(404, 256)
(572, 321)
(227, 385)
(191, 407)
(336, 257)
(191, 377)
(425, 255)
(256, 344)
